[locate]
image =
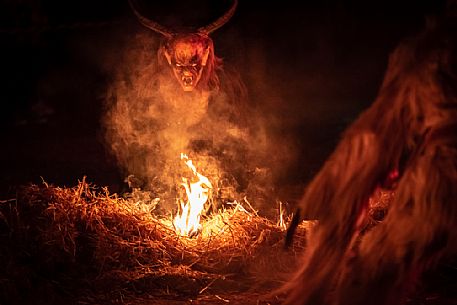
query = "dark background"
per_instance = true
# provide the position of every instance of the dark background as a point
(310, 70)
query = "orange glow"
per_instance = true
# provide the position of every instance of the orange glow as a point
(187, 221)
(281, 222)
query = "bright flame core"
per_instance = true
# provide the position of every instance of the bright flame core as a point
(187, 221)
(281, 221)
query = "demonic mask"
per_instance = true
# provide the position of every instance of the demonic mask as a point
(189, 55)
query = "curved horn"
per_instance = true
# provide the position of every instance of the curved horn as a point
(149, 23)
(221, 21)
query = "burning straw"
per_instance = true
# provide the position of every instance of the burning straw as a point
(85, 238)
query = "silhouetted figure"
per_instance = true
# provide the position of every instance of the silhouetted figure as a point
(410, 128)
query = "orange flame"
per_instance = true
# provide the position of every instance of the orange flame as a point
(281, 221)
(187, 221)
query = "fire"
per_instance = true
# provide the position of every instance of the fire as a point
(187, 221)
(281, 221)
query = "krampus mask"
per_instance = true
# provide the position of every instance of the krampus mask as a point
(189, 54)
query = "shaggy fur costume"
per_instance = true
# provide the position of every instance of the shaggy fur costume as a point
(411, 128)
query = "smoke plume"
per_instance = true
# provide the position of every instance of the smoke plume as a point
(150, 121)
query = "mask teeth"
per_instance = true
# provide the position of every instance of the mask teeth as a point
(187, 80)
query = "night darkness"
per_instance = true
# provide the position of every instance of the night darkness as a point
(310, 69)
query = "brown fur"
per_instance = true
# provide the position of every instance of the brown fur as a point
(412, 127)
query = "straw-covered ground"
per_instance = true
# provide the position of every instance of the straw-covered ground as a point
(83, 245)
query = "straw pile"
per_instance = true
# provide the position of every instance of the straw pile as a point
(89, 246)
(378, 205)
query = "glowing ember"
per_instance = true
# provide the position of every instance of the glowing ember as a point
(187, 221)
(281, 222)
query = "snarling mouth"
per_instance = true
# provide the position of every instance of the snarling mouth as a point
(188, 81)
(188, 77)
